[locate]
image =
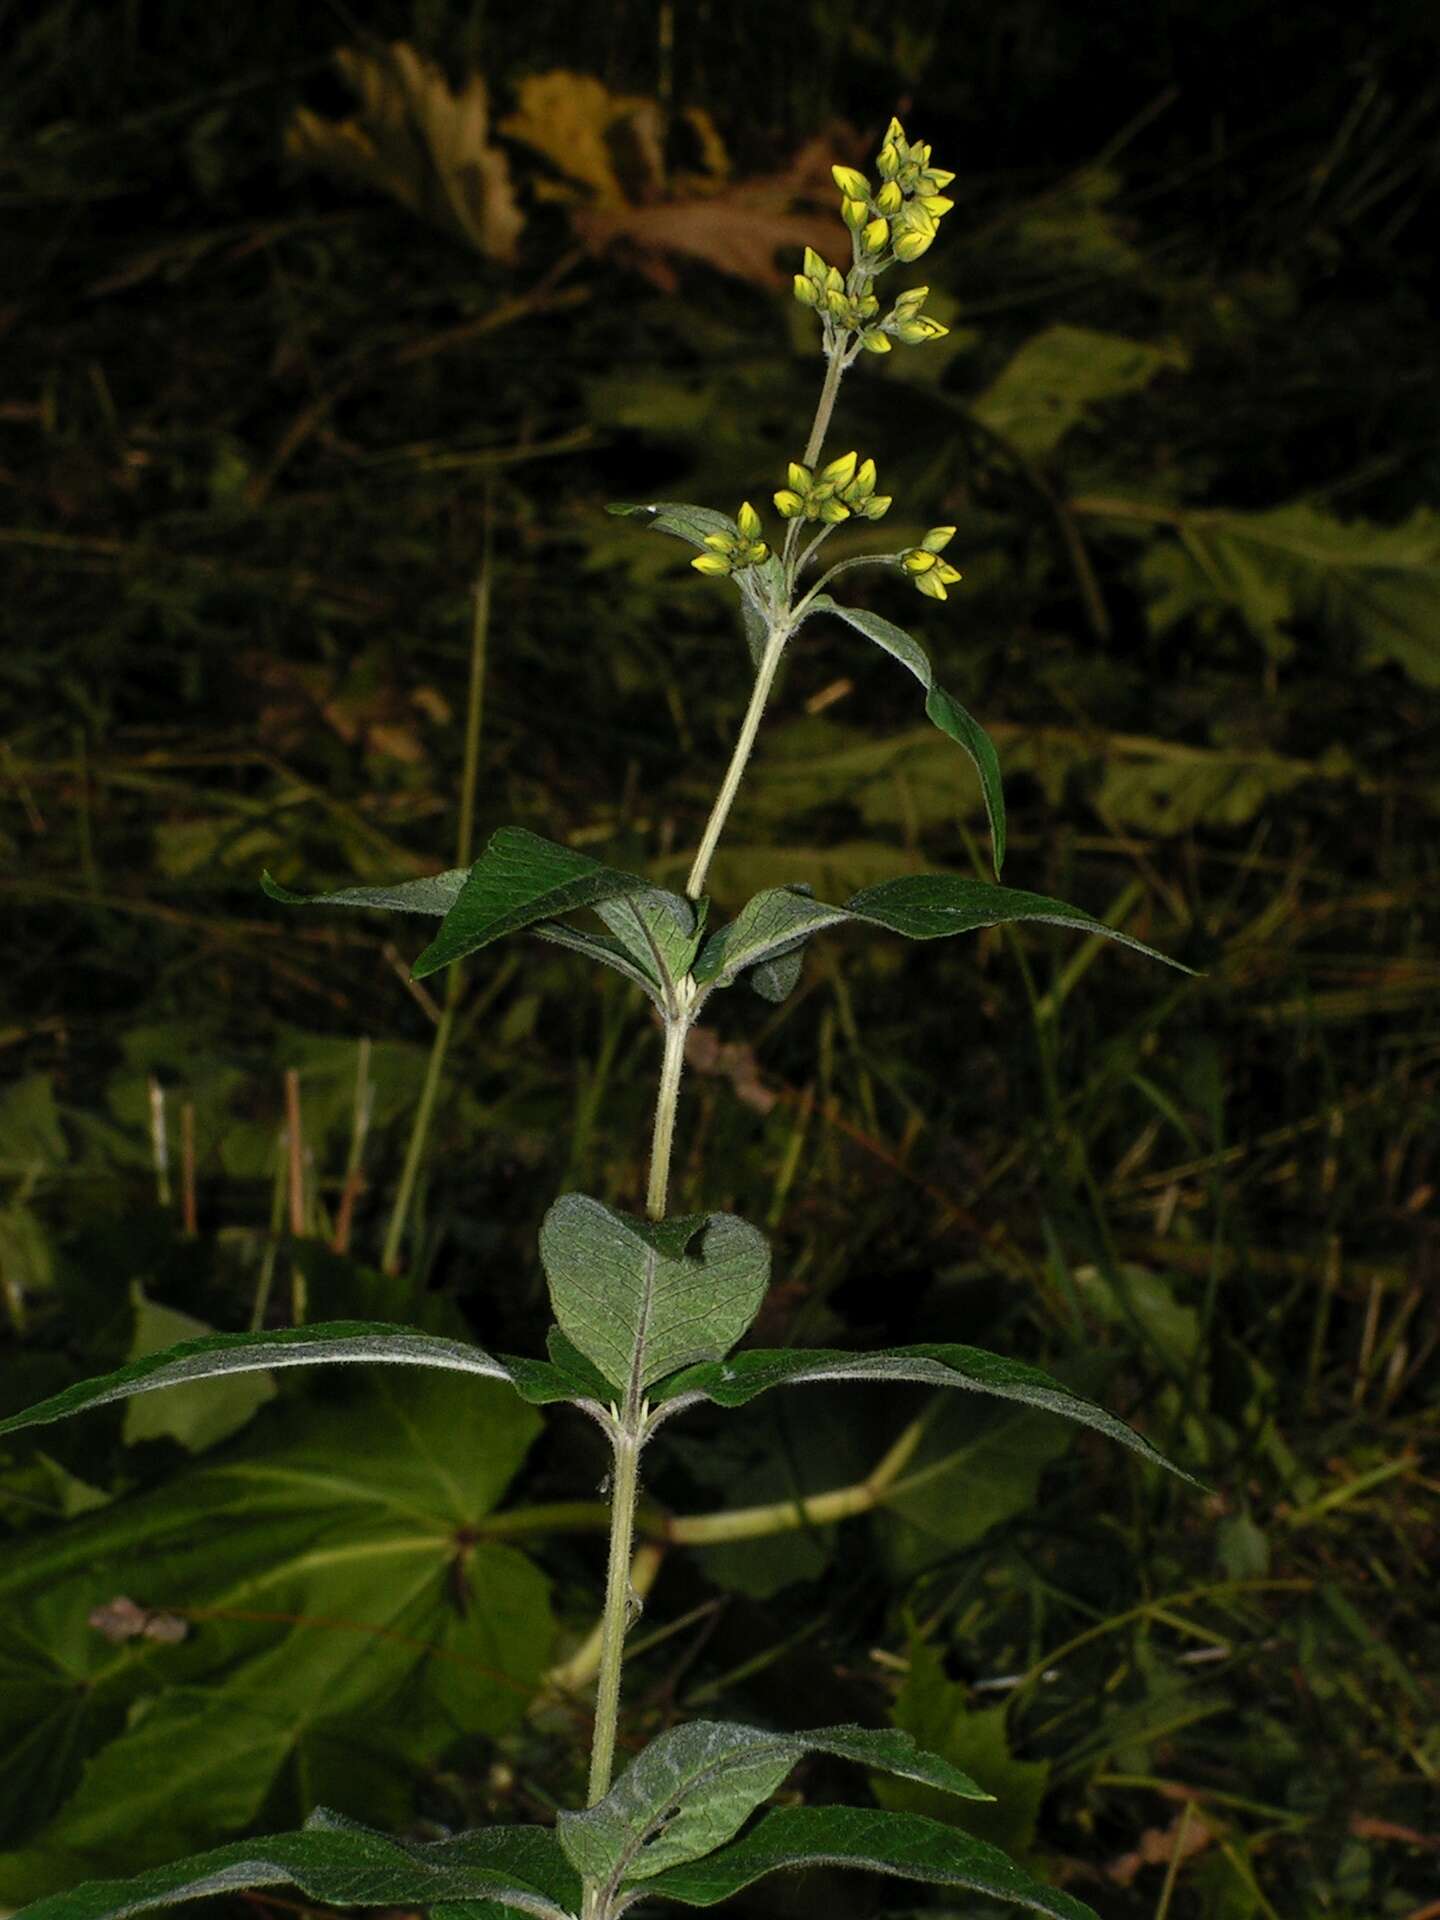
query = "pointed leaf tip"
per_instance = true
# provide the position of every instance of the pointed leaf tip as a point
(941, 708)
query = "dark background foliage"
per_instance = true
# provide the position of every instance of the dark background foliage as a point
(260, 424)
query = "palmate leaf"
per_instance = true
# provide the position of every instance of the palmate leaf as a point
(350, 1616)
(520, 880)
(921, 906)
(903, 1844)
(327, 1343)
(640, 1298)
(346, 1865)
(694, 1787)
(946, 712)
(734, 1382)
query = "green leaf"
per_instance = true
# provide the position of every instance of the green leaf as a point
(931, 906)
(346, 1866)
(633, 1297)
(692, 524)
(921, 906)
(694, 1787)
(903, 1844)
(734, 1382)
(659, 931)
(936, 1711)
(1058, 376)
(978, 1465)
(609, 953)
(1378, 585)
(216, 1354)
(946, 712)
(518, 880)
(775, 980)
(436, 894)
(350, 1617)
(198, 1416)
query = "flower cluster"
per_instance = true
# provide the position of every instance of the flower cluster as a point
(731, 552)
(838, 490)
(896, 221)
(928, 572)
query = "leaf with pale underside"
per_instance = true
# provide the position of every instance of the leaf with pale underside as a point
(734, 1382)
(346, 1865)
(519, 880)
(435, 894)
(693, 1788)
(942, 708)
(640, 1298)
(660, 932)
(691, 524)
(920, 906)
(905, 1845)
(566, 1375)
(694, 525)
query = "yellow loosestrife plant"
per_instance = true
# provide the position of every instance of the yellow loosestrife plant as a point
(650, 1310)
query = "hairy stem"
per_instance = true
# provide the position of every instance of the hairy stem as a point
(666, 1101)
(734, 773)
(616, 1621)
(630, 1423)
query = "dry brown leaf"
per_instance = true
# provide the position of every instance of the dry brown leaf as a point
(731, 1060)
(738, 229)
(1187, 1834)
(419, 141)
(119, 1620)
(738, 232)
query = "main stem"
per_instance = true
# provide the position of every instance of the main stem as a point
(616, 1620)
(735, 772)
(629, 1421)
(666, 1101)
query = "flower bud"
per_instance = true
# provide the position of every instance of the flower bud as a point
(874, 341)
(748, 521)
(863, 485)
(854, 213)
(889, 199)
(887, 165)
(915, 333)
(711, 563)
(876, 237)
(839, 473)
(815, 268)
(789, 505)
(911, 244)
(853, 185)
(805, 290)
